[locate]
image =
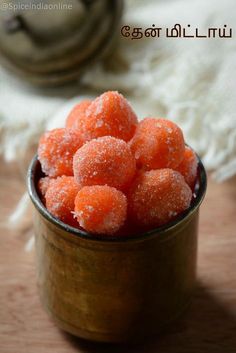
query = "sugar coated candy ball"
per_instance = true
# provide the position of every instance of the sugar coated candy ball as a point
(188, 167)
(158, 143)
(77, 113)
(108, 115)
(60, 199)
(43, 185)
(100, 209)
(157, 197)
(106, 160)
(56, 150)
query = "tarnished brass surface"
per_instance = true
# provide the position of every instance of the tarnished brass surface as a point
(115, 290)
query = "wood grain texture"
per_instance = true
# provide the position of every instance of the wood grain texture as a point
(209, 326)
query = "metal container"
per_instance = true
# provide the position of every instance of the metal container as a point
(115, 290)
(52, 42)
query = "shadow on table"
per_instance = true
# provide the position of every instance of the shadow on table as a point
(208, 327)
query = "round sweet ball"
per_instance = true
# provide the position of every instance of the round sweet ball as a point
(77, 113)
(106, 160)
(158, 143)
(157, 197)
(100, 209)
(188, 167)
(60, 199)
(108, 115)
(56, 149)
(43, 185)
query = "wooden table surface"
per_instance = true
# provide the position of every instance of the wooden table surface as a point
(208, 327)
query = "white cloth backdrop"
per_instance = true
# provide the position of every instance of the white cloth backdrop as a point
(192, 81)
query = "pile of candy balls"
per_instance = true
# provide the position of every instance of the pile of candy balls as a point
(107, 173)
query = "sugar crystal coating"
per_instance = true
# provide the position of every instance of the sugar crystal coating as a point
(106, 160)
(108, 115)
(157, 143)
(56, 149)
(43, 185)
(60, 198)
(100, 209)
(157, 197)
(188, 167)
(77, 113)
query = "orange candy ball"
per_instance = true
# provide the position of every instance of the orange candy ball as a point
(108, 115)
(158, 143)
(100, 209)
(77, 113)
(60, 198)
(188, 167)
(157, 197)
(43, 185)
(105, 160)
(56, 150)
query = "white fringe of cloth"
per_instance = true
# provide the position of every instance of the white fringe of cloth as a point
(191, 81)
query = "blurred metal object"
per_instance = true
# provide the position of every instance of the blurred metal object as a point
(53, 47)
(13, 24)
(87, 3)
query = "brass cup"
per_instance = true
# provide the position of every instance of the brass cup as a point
(117, 289)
